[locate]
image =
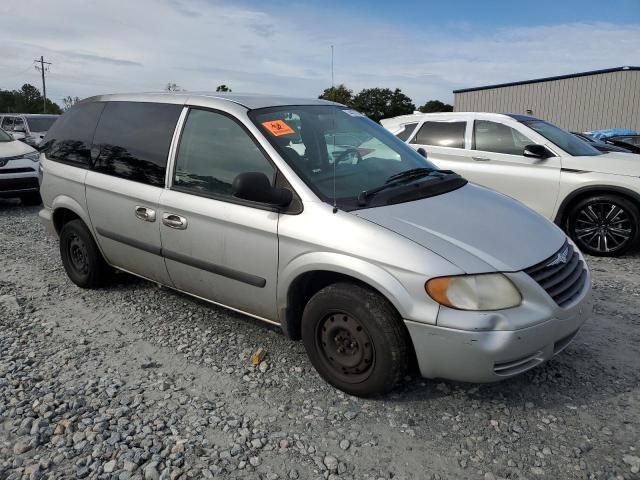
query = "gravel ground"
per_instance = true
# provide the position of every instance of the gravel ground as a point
(139, 382)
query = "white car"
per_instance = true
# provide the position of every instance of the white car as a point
(594, 196)
(18, 170)
(30, 128)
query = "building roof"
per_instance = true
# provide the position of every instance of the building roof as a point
(549, 79)
(250, 101)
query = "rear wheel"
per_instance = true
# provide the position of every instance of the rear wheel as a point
(355, 339)
(604, 225)
(81, 257)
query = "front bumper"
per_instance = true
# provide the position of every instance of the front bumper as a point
(17, 177)
(489, 356)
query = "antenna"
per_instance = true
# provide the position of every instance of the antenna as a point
(333, 121)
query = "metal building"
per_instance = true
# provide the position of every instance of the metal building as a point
(581, 102)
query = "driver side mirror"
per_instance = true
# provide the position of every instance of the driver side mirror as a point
(422, 152)
(256, 187)
(537, 151)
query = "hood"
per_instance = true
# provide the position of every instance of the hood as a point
(14, 149)
(616, 163)
(476, 229)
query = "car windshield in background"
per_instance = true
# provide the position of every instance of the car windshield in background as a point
(340, 154)
(4, 136)
(41, 124)
(565, 140)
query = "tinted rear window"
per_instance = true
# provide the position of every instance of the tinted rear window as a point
(69, 139)
(132, 140)
(441, 134)
(41, 124)
(406, 133)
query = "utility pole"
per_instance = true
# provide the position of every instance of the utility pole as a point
(332, 81)
(42, 69)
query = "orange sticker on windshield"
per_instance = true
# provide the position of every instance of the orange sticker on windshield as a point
(278, 127)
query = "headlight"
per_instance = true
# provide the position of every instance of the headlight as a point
(34, 156)
(490, 291)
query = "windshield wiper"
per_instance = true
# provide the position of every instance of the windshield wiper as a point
(412, 172)
(398, 178)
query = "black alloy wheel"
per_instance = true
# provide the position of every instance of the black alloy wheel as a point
(604, 226)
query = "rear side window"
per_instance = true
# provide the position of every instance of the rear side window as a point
(406, 133)
(441, 134)
(133, 138)
(69, 139)
(214, 149)
(7, 124)
(498, 138)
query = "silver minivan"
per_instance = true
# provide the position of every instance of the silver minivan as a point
(307, 215)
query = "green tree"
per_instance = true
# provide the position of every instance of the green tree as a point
(379, 103)
(172, 87)
(26, 100)
(68, 102)
(434, 106)
(223, 88)
(340, 94)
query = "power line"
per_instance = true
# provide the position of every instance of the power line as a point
(42, 69)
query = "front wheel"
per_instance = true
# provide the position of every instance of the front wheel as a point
(604, 225)
(355, 339)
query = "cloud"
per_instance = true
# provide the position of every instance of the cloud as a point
(140, 46)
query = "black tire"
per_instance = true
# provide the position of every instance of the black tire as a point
(81, 257)
(604, 225)
(355, 339)
(31, 199)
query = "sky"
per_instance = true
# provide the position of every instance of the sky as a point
(426, 48)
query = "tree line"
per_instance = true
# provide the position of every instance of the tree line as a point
(379, 103)
(26, 100)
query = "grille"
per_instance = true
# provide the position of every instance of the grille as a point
(563, 276)
(10, 184)
(16, 170)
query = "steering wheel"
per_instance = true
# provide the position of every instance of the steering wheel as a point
(346, 152)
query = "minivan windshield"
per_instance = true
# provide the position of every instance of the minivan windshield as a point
(341, 154)
(41, 123)
(4, 136)
(565, 140)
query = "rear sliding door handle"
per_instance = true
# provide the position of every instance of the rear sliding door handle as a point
(481, 159)
(146, 214)
(172, 220)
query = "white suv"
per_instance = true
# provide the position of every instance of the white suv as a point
(594, 196)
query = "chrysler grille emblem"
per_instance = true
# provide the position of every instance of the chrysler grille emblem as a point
(560, 258)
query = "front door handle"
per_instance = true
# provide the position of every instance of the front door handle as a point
(481, 159)
(174, 221)
(146, 214)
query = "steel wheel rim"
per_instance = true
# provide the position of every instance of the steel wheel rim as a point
(78, 255)
(603, 226)
(345, 347)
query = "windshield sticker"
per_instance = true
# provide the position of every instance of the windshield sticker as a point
(278, 127)
(353, 113)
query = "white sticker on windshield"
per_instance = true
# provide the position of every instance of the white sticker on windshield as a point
(353, 113)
